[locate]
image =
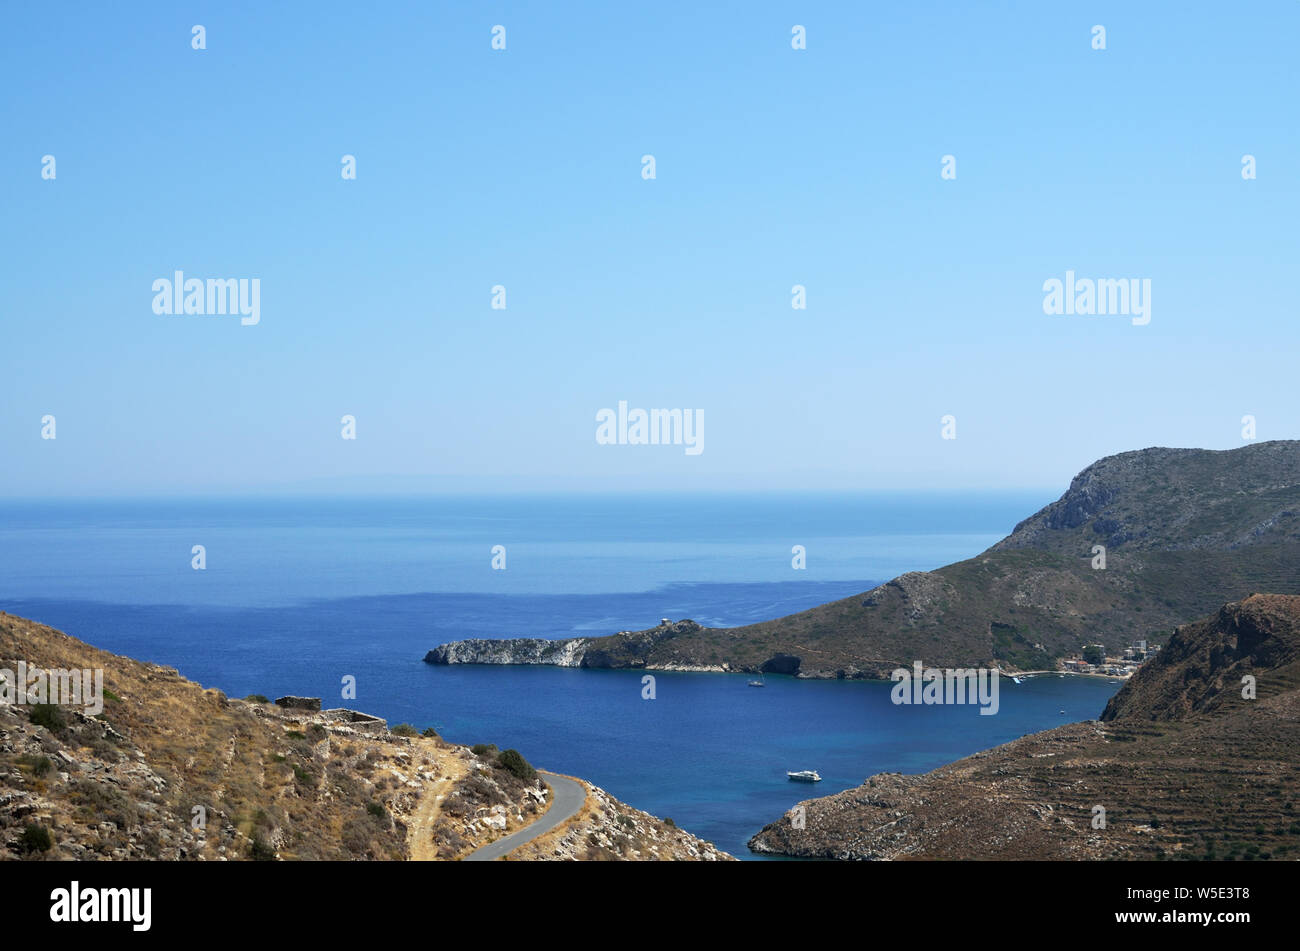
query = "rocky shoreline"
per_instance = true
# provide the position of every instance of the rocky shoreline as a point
(515, 650)
(572, 652)
(631, 651)
(650, 649)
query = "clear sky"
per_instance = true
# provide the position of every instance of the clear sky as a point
(774, 167)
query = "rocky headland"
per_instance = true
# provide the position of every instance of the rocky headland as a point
(1140, 542)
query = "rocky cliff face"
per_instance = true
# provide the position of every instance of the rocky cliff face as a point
(514, 650)
(1182, 764)
(627, 649)
(1173, 500)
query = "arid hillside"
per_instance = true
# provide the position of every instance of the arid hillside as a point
(1184, 761)
(170, 770)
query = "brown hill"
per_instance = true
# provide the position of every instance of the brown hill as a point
(1182, 763)
(271, 783)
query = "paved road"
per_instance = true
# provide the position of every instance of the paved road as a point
(569, 798)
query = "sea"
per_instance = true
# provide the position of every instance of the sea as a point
(299, 595)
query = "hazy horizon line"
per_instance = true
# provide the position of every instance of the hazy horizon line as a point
(286, 494)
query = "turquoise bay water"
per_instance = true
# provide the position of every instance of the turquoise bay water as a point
(299, 594)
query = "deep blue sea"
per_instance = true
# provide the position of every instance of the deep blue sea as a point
(299, 593)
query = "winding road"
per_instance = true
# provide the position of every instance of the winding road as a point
(569, 799)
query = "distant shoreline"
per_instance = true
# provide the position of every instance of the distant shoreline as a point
(1065, 673)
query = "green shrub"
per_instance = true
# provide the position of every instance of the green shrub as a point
(39, 765)
(376, 810)
(483, 749)
(669, 822)
(102, 802)
(356, 836)
(36, 839)
(404, 729)
(260, 850)
(49, 716)
(256, 698)
(514, 762)
(430, 732)
(295, 734)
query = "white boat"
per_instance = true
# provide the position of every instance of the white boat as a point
(1016, 680)
(759, 681)
(804, 775)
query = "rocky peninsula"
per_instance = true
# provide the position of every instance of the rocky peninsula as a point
(1140, 542)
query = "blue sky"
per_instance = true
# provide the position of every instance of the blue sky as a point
(522, 167)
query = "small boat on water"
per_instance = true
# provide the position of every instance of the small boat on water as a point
(1016, 680)
(804, 776)
(759, 681)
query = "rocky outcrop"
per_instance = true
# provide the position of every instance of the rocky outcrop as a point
(298, 703)
(917, 595)
(1210, 662)
(1173, 500)
(627, 649)
(513, 650)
